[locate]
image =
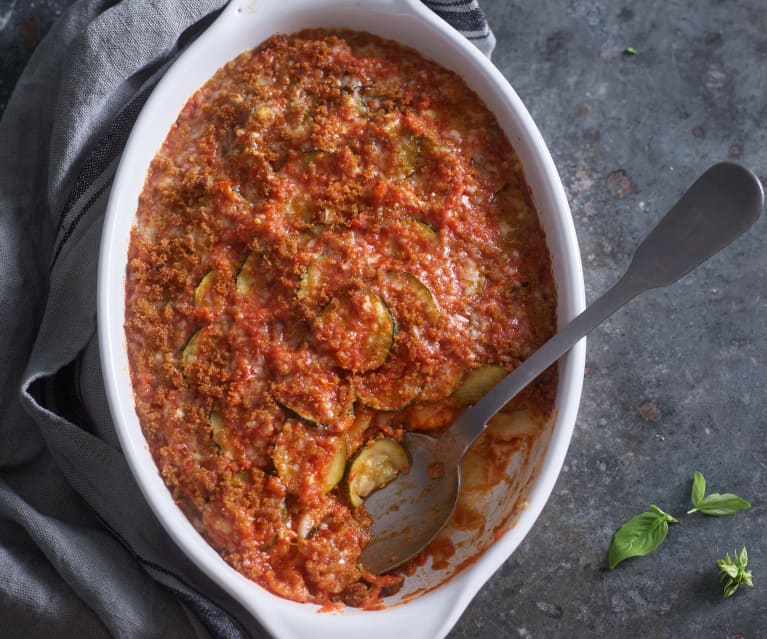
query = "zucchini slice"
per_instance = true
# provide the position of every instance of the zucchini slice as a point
(429, 416)
(356, 436)
(470, 277)
(476, 384)
(320, 277)
(355, 99)
(248, 273)
(394, 386)
(242, 476)
(358, 328)
(270, 543)
(511, 425)
(219, 434)
(444, 378)
(317, 396)
(420, 230)
(300, 453)
(299, 209)
(206, 283)
(410, 297)
(257, 276)
(375, 465)
(287, 467)
(311, 281)
(406, 157)
(309, 524)
(189, 352)
(336, 466)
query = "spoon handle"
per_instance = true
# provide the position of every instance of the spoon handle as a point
(724, 202)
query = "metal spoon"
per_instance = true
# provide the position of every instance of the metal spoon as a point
(409, 512)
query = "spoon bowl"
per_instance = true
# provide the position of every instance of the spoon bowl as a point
(410, 511)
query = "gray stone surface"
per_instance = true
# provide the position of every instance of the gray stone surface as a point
(676, 381)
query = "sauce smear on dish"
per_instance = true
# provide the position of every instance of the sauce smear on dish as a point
(335, 244)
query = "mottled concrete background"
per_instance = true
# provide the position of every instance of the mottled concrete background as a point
(675, 381)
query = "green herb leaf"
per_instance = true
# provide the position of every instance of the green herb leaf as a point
(714, 504)
(718, 505)
(666, 516)
(630, 51)
(639, 536)
(734, 572)
(698, 488)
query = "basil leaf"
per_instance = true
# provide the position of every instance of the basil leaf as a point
(698, 488)
(731, 570)
(734, 572)
(714, 504)
(726, 504)
(744, 557)
(666, 516)
(639, 536)
(730, 586)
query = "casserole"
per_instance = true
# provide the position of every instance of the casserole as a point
(432, 599)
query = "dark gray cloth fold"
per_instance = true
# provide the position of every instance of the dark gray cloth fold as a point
(81, 554)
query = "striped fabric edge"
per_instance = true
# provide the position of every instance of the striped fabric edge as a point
(467, 17)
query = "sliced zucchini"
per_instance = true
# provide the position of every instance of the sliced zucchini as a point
(189, 352)
(410, 297)
(311, 280)
(445, 377)
(359, 103)
(219, 434)
(476, 467)
(309, 239)
(470, 277)
(420, 230)
(431, 416)
(309, 523)
(511, 425)
(206, 283)
(285, 464)
(319, 279)
(333, 472)
(357, 434)
(356, 100)
(299, 451)
(299, 209)
(267, 545)
(477, 384)
(246, 278)
(375, 465)
(264, 112)
(358, 328)
(242, 476)
(406, 157)
(394, 386)
(256, 275)
(318, 396)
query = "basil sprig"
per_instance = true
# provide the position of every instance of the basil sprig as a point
(640, 535)
(714, 504)
(734, 572)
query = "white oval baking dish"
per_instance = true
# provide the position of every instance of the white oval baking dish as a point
(441, 596)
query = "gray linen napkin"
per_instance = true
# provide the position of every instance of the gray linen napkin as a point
(81, 554)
